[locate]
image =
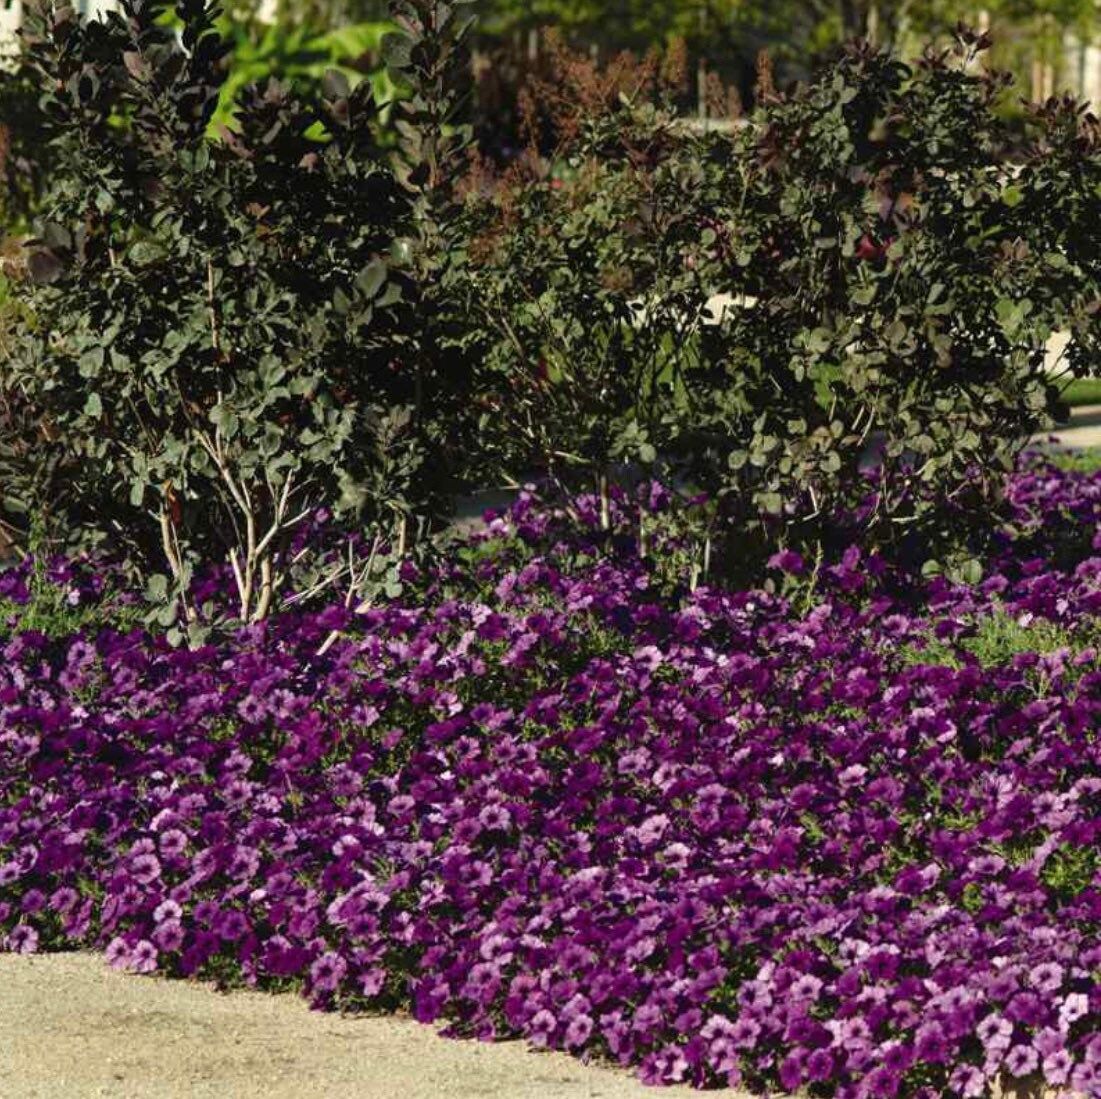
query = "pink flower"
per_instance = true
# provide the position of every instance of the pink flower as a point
(23, 939)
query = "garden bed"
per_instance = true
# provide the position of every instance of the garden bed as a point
(845, 842)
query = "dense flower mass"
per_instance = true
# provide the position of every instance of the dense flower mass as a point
(853, 849)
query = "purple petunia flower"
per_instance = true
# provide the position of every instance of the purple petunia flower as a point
(118, 953)
(167, 910)
(22, 939)
(327, 972)
(995, 1032)
(1057, 1067)
(577, 1031)
(1074, 1007)
(34, 900)
(143, 957)
(1046, 977)
(1022, 1061)
(145, 868)
(820, 1065)
(896, 1056)
(542, 1026)
(64, 899)
(231, 925)
(930, 1043)
(173, 842)
(968, 1081)
(495, 818)
(168, 936)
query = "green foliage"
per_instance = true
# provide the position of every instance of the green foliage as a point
(1069, 870)
(50, 613)
(1076, 461)
(894, 280)
(219, 330)
(302, 54)
(23, 164)
(427, 55)
(1082, 391)
(995, 639)
(222, 331)
(972, 897)
(587, 280)
(907, 278)
(60, 612)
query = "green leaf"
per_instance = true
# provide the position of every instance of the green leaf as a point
(224, 418)
(972, 572)
(145, 252)
(91, 362)
(156, 588)
(371, 278)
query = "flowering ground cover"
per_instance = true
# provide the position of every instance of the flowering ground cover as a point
(848, 844)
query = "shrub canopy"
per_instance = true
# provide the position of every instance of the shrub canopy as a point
(221, 335)
(895, 270)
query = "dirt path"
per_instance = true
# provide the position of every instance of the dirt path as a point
(1084, 430)
(72, 1028)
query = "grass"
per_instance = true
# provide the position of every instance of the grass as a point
(1083, 391)
(1076, 461)
(49, 611)
(999, 637)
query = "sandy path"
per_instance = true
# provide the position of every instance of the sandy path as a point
(1083, 431)
(71, 1028)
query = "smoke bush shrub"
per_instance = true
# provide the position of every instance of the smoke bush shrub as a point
(219, 330)
(896, 269)
(584, 286)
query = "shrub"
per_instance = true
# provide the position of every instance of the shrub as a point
(23, 165)
(220, 326)
(896, 269)
(585, 283)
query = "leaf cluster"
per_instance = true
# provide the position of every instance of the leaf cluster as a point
(892, 271)
(220, 328)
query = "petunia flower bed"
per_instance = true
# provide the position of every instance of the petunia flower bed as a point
(718, 837)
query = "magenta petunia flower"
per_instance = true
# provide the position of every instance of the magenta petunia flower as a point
(22, 939)
(1022, 1061)
(327, 972)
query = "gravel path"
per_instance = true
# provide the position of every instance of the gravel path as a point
(71, 1028)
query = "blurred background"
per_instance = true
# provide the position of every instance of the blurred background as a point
(726, 49)
(1049, 45)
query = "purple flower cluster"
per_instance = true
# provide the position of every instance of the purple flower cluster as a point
(706, 836)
